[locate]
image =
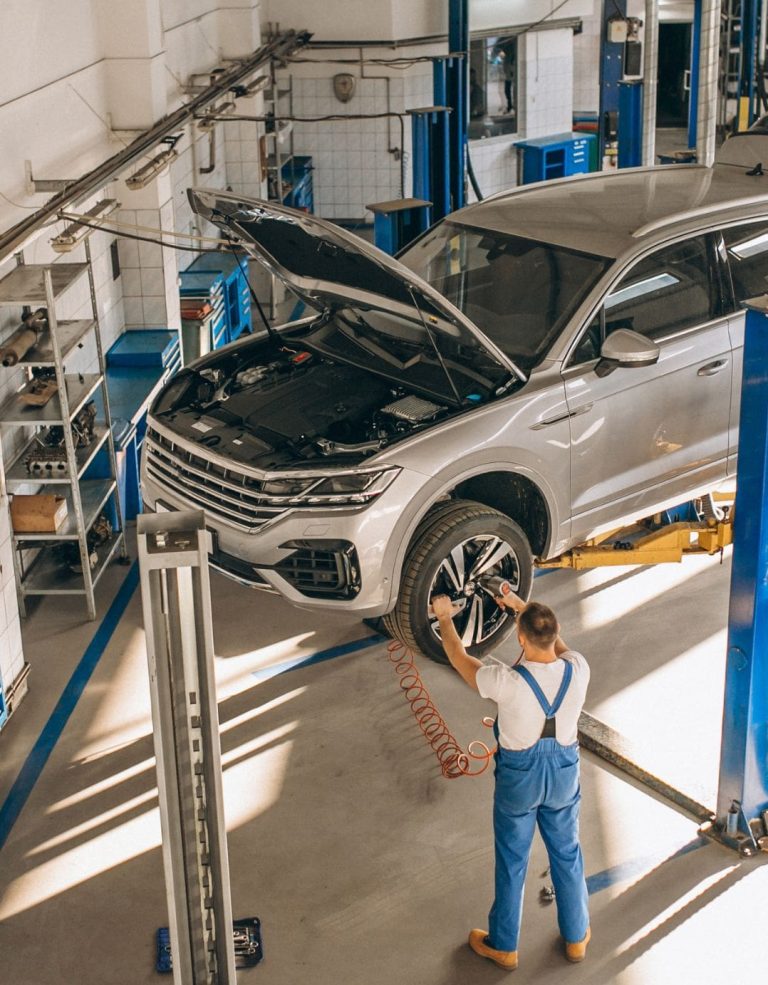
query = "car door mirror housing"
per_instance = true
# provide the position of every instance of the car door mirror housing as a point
(625, 348)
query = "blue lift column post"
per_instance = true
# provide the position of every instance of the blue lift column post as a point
(457, 84)
(693, 95)
(611, 70)
(743, 779)
(630, 124)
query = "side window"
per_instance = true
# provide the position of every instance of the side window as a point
(669, 291)
(591, 342)
(747, 248)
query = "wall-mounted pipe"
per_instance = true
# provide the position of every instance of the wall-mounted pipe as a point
(75, 192)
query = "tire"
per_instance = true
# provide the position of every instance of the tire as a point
(475, 534)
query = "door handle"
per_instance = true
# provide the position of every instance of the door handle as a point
(712, 368)
(584, 409)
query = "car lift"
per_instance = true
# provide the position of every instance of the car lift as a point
(176, 602)
(741, 817)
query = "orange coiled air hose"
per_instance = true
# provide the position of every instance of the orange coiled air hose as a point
(454, 761)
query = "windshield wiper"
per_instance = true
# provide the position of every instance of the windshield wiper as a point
(439, 355)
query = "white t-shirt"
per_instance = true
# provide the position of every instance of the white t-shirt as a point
(521, 717)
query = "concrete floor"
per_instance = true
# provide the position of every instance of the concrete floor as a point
(364, 864)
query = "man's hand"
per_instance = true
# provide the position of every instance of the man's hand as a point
(510, 601)
(461, 661)
(443, 607)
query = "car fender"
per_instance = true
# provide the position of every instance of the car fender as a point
(446, 480)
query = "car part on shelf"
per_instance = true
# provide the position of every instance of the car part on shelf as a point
(24, 338)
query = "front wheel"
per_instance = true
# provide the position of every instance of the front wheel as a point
(453, 555)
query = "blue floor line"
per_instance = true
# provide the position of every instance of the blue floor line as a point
(636, 867)
(42, 749)
(321, 656)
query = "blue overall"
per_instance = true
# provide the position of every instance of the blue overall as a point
(538, 784)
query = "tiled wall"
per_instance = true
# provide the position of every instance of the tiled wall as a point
(546, 81)
(495, 165)
(353, 161)
(586, 64)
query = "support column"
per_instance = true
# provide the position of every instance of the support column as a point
(176, 602)
(457, 84)
(650, 80)
(703, 105)
(744, 753)
(611, 70)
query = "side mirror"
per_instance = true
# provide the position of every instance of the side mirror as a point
(625, 348)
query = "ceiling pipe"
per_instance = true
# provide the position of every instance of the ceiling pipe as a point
(76, 191)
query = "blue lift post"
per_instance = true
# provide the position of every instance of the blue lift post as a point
(743, 783)
(630, 124)
(693, 94)
(430, 143)
(457, 80)
(397, 223)
(611, 71)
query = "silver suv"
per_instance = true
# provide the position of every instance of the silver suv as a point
(537, 368)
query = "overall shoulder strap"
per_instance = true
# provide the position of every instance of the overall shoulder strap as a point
(533, 684)
(550, 710)
(564, 685)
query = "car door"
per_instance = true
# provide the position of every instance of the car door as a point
(746, 248)
(644, 436)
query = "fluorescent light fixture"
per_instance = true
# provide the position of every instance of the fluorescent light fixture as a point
(77, 232)
(639, 288)
(749, 247)
(152, 169)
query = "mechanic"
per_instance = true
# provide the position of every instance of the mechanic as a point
(539, 700)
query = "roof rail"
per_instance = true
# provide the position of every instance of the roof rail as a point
(704, 210)
(590, 175)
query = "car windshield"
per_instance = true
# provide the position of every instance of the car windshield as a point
(519, 292)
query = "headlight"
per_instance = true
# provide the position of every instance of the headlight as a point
(286, 487)
(354, 488)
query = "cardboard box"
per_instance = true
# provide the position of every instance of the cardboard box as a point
(41, 514)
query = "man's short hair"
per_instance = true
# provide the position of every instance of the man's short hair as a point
(538, 623)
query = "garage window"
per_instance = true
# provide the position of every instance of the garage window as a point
(747, 248)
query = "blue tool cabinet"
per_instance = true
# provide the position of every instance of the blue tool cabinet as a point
(137, 365)
(557, 156)
(296, 175)
(221, 279)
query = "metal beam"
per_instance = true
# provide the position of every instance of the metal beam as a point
(176, 601)
(76, 191)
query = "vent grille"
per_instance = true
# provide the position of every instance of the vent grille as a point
(223, 492)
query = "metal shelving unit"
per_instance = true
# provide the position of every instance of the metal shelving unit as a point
(40, 569)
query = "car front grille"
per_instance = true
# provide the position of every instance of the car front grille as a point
(225, 493)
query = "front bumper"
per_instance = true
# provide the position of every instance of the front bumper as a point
(344, 558)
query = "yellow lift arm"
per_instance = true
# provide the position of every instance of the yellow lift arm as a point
(631, 545)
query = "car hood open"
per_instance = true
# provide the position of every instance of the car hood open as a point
(330, 268)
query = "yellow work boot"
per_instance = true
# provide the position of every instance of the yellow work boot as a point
(578, 951)
(504, 959)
